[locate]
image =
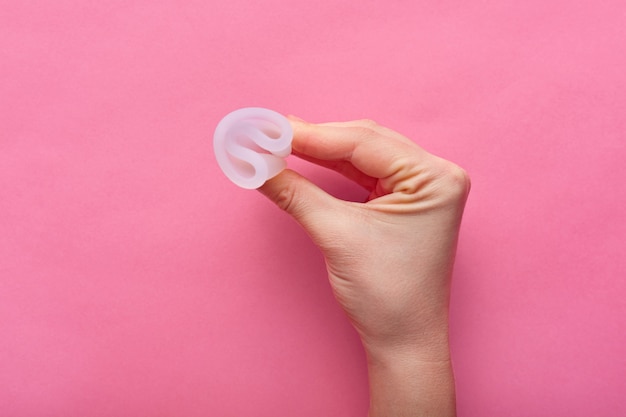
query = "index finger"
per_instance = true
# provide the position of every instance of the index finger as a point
(375, 154)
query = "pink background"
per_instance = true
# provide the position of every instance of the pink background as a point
(136, 280)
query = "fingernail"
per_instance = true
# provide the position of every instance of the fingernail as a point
(295, 118)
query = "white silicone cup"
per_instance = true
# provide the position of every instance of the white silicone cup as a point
(250, 145)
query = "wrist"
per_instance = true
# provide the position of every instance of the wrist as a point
(427, 343)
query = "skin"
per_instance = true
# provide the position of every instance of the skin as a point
(389, 259)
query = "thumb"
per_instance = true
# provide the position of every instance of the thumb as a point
(304, 201)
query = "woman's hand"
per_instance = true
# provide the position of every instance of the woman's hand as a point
(389, 259)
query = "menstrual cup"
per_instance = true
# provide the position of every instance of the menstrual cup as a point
(250, 145)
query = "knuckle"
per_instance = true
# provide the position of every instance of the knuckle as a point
(364, 133)
(286, 197)
(458, 180)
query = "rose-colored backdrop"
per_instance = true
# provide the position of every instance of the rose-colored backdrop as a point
(136, 280)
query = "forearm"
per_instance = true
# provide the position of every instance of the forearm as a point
(408, 384)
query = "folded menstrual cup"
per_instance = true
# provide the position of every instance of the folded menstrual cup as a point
(250, 145)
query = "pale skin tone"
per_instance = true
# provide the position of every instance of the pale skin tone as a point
(389, 259)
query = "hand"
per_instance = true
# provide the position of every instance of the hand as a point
(389, 259)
